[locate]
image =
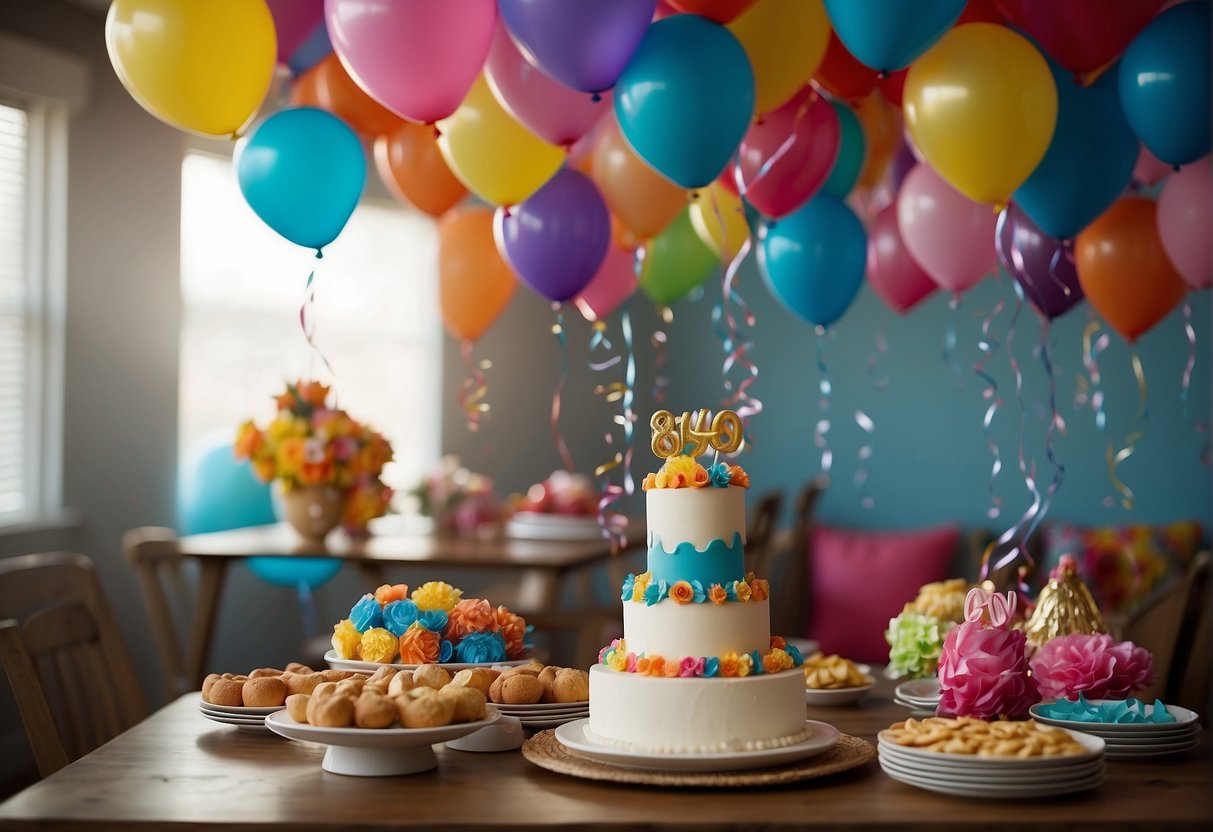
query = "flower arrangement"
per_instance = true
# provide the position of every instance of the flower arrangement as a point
(916, 635)
(983, 667)
(459, 500)
(1094, 665)
(683, 471)
(310, 443)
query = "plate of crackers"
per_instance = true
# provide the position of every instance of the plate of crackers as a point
(832, 680)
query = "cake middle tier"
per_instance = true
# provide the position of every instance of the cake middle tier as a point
(676, 631)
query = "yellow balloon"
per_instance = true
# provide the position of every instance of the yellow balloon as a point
(497, 158)
(981, 105)
(785, 41)
(719, 219)
(200, 65)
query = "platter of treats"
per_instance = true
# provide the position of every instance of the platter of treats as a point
(974, 758)
(832, 680)
(539, 696)
(1132, 730)
(243, 701)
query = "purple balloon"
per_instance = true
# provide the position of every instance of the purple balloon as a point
(902, 163)
(1043, 265)
(585, 44)
(556, 239)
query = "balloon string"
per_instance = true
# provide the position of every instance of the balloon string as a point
(823, 404)
(1200, 426)
(307, 320)
(661, 355)
(1090, 391)
(880, 348)
(475, 388)
(1116, 457)
(989, 348)
(611, 520)
(743, 187)
(561, 446)
(1056, 425)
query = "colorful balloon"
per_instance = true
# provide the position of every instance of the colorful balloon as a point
(676, 261)
(644, 201)
(686, 98)
(981, 105)
(721, 11)
(785, 41)
(882, 132)
(611, 286)
(1042, 265)
(893, 85)
(556, 113)
(851, 153)
(892, 273)
(949, 235)
(1089, 161)
(497, 158)
(556, 240)
(1185, 223)
(1081, 35)
(474, 284)
(1124, 270)
(329, 87)
(786, 157)
(1149, 168)
(813, 261)
(1165, 87)
(890, 34)
(204, 67)
(302, 171)
(415, 57)
(411, 166)
(302, 38)
(583, 45)
(842, 76)
(719, 219)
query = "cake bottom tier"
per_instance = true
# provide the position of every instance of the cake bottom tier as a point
(695, 715)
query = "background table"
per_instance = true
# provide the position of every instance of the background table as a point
(178, 769)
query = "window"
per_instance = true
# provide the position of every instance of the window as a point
(375, 314)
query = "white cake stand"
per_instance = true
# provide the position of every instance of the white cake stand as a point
(375, 752)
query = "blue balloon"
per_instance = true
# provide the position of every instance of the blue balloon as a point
(1089, 161)
(1164, 84)
(295, 572)
(685, 99)
(217, 492)
(813, 260)
(302, 171)
(891, 34)
(852, 148)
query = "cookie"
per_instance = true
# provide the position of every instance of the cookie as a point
(296, 667)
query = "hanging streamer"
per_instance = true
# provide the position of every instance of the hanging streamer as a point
(880, 383)
(562, 447)
(989, 348)
(867, 425)
(823, 405)
(1056, 425)
(611, 520)
(661, 355)
(1116, 457)
(474, 389)
(1089, 390)
(949, 344)
(1200, 426)
(307, 320)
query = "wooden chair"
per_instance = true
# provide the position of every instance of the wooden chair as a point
(760, 549)
(1190, 676)
(791, 594)
(71, 676)
(158, 570)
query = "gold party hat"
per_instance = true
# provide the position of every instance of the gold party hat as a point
(1064, 607)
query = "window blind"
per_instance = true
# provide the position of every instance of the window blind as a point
(14, 328)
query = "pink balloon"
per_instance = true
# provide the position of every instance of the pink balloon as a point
(894, 276)
(611, 285)
(786, 157)
(1185, 223)
(418, 58)
(556, 113)
(1149, 168)
(946, 233)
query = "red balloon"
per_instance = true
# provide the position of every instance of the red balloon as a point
(892, 273)
(721, 11)
(892, 86)
(785, 158)
(1081, 35)
(981, 11)
(842, 76)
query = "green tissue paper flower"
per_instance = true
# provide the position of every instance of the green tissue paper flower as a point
(915, 642)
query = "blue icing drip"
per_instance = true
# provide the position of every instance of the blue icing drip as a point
(719, 563)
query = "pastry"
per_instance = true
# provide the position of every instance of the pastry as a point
(351, 687)
(264, 692)
(324, 689)
(227, 692)
(206, 685)
(371, 710)
(402, 682)
(469, 702)
(383, 676)
(265, 671)
(296, 667)
(426, 711)
(547, 677)
(480, 678)
(333, 675)
(571, 685)
(431, 675)
(331, 711)
(522, 689)
(301, 682)
(296, 706)
(420, 692)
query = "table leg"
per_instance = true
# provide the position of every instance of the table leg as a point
(210, 587)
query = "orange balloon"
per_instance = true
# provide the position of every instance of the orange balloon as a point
(1123, 268)
(328, 86)
(643, 200)
(412, 168)
(474, 284)
(881, 123)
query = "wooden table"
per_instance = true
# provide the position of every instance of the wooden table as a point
(177, 769)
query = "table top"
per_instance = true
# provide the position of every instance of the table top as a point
(178, 769)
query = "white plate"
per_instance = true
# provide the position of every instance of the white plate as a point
(1183, 719)
(995, 790)
(231, 720)
(806, 646)
(925, 691)
(543, 709)
(550, 722)
(1031, 775)
(834, 697)
(1094, 747)
(1145, 736)
(539, 526)
(338, 663)
(236, 711)
(572, 736)
(1137, 754)
(1151, 739)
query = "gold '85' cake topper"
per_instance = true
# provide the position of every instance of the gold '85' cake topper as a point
(672, 435)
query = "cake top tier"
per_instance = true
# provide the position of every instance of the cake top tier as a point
(679, 440)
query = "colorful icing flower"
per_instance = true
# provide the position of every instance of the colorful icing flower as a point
(478, 648)
(760, 590)
(419, 645)
(433, 620)
(686, 668)
(682, 592)
(728, 664)
(641, 585)
(629, 583)
(717, 594)
(445, 651)
(1094, 665)
(673, 668)
(699, 596)
(346, 639)
(399, 615)
(436, 595)
(632, 659)
(756, 662)
(739, 477)
(471, 615)
(785, 660)
(654, 593)
(378, 645)
(730, 591)
(779, 642)
(366, 613)
(745, 663)
(642, 665)
(661, 480)
(616, 660)
(720, 474)
(742, 590)
(771, 662)
(797, 657)
(656, 666)
(682, 467)
(711, 667)
(602, 654)
(699, 477)
(513, 630)
(649, 483)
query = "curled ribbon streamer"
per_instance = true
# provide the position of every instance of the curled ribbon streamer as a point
(1089, 389)
(865, 453)
(989, 348)
(561, 446)
(661, 355)
(1056, 425)
(823, 403)
(612, 521)
(743, 187)
(880, 383)
(307, 320)
(1115, 457)
(475, 388)
(736, 340)
(1200, 426)
(949, 345)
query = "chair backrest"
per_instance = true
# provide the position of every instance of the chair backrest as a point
(71, 676)
(759, 546)
(1188, 684)
(790, 598)
(150, 552)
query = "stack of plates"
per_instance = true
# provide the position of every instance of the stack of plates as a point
(251, 720)
(540, 526)
(545, 714)
(921, 696)
(994, 777)
(1136, 741)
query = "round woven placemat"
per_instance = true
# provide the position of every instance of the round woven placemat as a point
(545, 751)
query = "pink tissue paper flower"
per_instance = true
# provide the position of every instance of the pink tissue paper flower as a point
(983, 673)
(1093, 665)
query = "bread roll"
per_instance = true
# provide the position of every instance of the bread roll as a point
(264, 692)
(547, 677)
(207, 683)
(296, 667)
(571, 685)
(302, 682)
(432, 676)
(262, 672)
(480, 678)
(401, 683)
(227, 692)
(296, 706)
(425, 711)
(331, 711)
(522, 689)
(469, 702)
(372, 710)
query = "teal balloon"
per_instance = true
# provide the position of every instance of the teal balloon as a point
(685, 99)
(1164, 84)
(302, 171)
(1089, 161)
(852, 147)
(676, 261)
(217, 492)
(890, 34)
(813, 260)
(295, 572)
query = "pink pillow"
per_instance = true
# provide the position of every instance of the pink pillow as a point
(861, 579)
